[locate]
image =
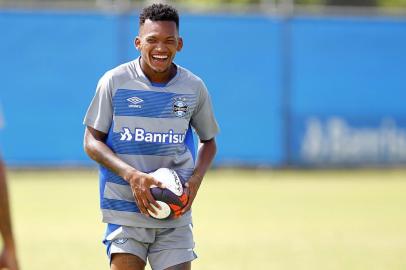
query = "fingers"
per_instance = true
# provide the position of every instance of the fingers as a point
(140, 204)
(159, 184)
(145, 200)
(151, 200)
(192, 186)
(142, 194)
(191, 196)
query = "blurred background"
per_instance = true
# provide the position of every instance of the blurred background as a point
(310, 97)
(293, 84)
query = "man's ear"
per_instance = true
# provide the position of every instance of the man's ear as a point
(180, 44)
(137, 43)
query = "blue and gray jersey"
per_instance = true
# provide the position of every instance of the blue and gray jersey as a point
(149, 126)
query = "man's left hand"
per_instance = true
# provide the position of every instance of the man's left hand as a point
(192, 186)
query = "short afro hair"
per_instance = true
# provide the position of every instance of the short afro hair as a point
(159, 12)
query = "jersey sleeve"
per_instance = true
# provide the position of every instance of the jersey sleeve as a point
(100, 112)
(203, 120)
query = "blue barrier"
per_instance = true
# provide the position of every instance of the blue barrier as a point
(348, 91)
(50, 66)
(343, 72)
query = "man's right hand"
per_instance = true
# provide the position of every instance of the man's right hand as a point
(140, 186)
(95, 146)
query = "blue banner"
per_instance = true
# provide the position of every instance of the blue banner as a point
(305, 91)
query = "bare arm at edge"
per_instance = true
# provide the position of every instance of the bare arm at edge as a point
(8, 257)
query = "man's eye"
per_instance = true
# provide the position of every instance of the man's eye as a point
(170, 41)
(151, 40)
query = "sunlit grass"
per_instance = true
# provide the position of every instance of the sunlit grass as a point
(243, 219)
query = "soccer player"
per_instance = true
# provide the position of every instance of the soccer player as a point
(141, 119)
(8, 258)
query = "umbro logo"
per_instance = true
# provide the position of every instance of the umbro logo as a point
(120, 241)
(135, 102)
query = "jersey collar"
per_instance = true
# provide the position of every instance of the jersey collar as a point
(145, 78)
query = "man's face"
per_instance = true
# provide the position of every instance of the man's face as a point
(158, 42)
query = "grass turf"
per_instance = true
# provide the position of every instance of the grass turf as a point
(243, 219)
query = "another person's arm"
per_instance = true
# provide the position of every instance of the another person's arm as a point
(8, 258)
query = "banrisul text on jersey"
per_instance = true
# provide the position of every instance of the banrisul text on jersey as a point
(140, 135)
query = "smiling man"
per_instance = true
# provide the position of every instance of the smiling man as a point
(140, 120)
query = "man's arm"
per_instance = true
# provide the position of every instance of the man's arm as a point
(96, 148)
(205, 156)
(8, 258)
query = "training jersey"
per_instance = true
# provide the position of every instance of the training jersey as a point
(149, 126)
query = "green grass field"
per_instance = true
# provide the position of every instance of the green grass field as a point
(243, 219)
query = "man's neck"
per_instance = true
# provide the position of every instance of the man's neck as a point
(158, 77)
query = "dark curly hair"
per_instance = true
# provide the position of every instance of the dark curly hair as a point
(160, 12)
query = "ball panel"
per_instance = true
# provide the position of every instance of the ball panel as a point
(170, 179)
(166, 195)
(184, 199)
(164, 213)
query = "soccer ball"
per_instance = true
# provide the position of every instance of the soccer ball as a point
(172, 199)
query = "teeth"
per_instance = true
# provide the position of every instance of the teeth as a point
(160, 56)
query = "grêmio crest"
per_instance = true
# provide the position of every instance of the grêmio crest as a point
(180, 108)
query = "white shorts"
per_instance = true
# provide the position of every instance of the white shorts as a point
(162, 247)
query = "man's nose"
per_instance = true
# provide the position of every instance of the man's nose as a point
(161, 46)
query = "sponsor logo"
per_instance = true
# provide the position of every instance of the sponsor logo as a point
(120, 241)
(180, 108)
(334, 140)
(140, 135)
(126, 135)
(134, 102)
